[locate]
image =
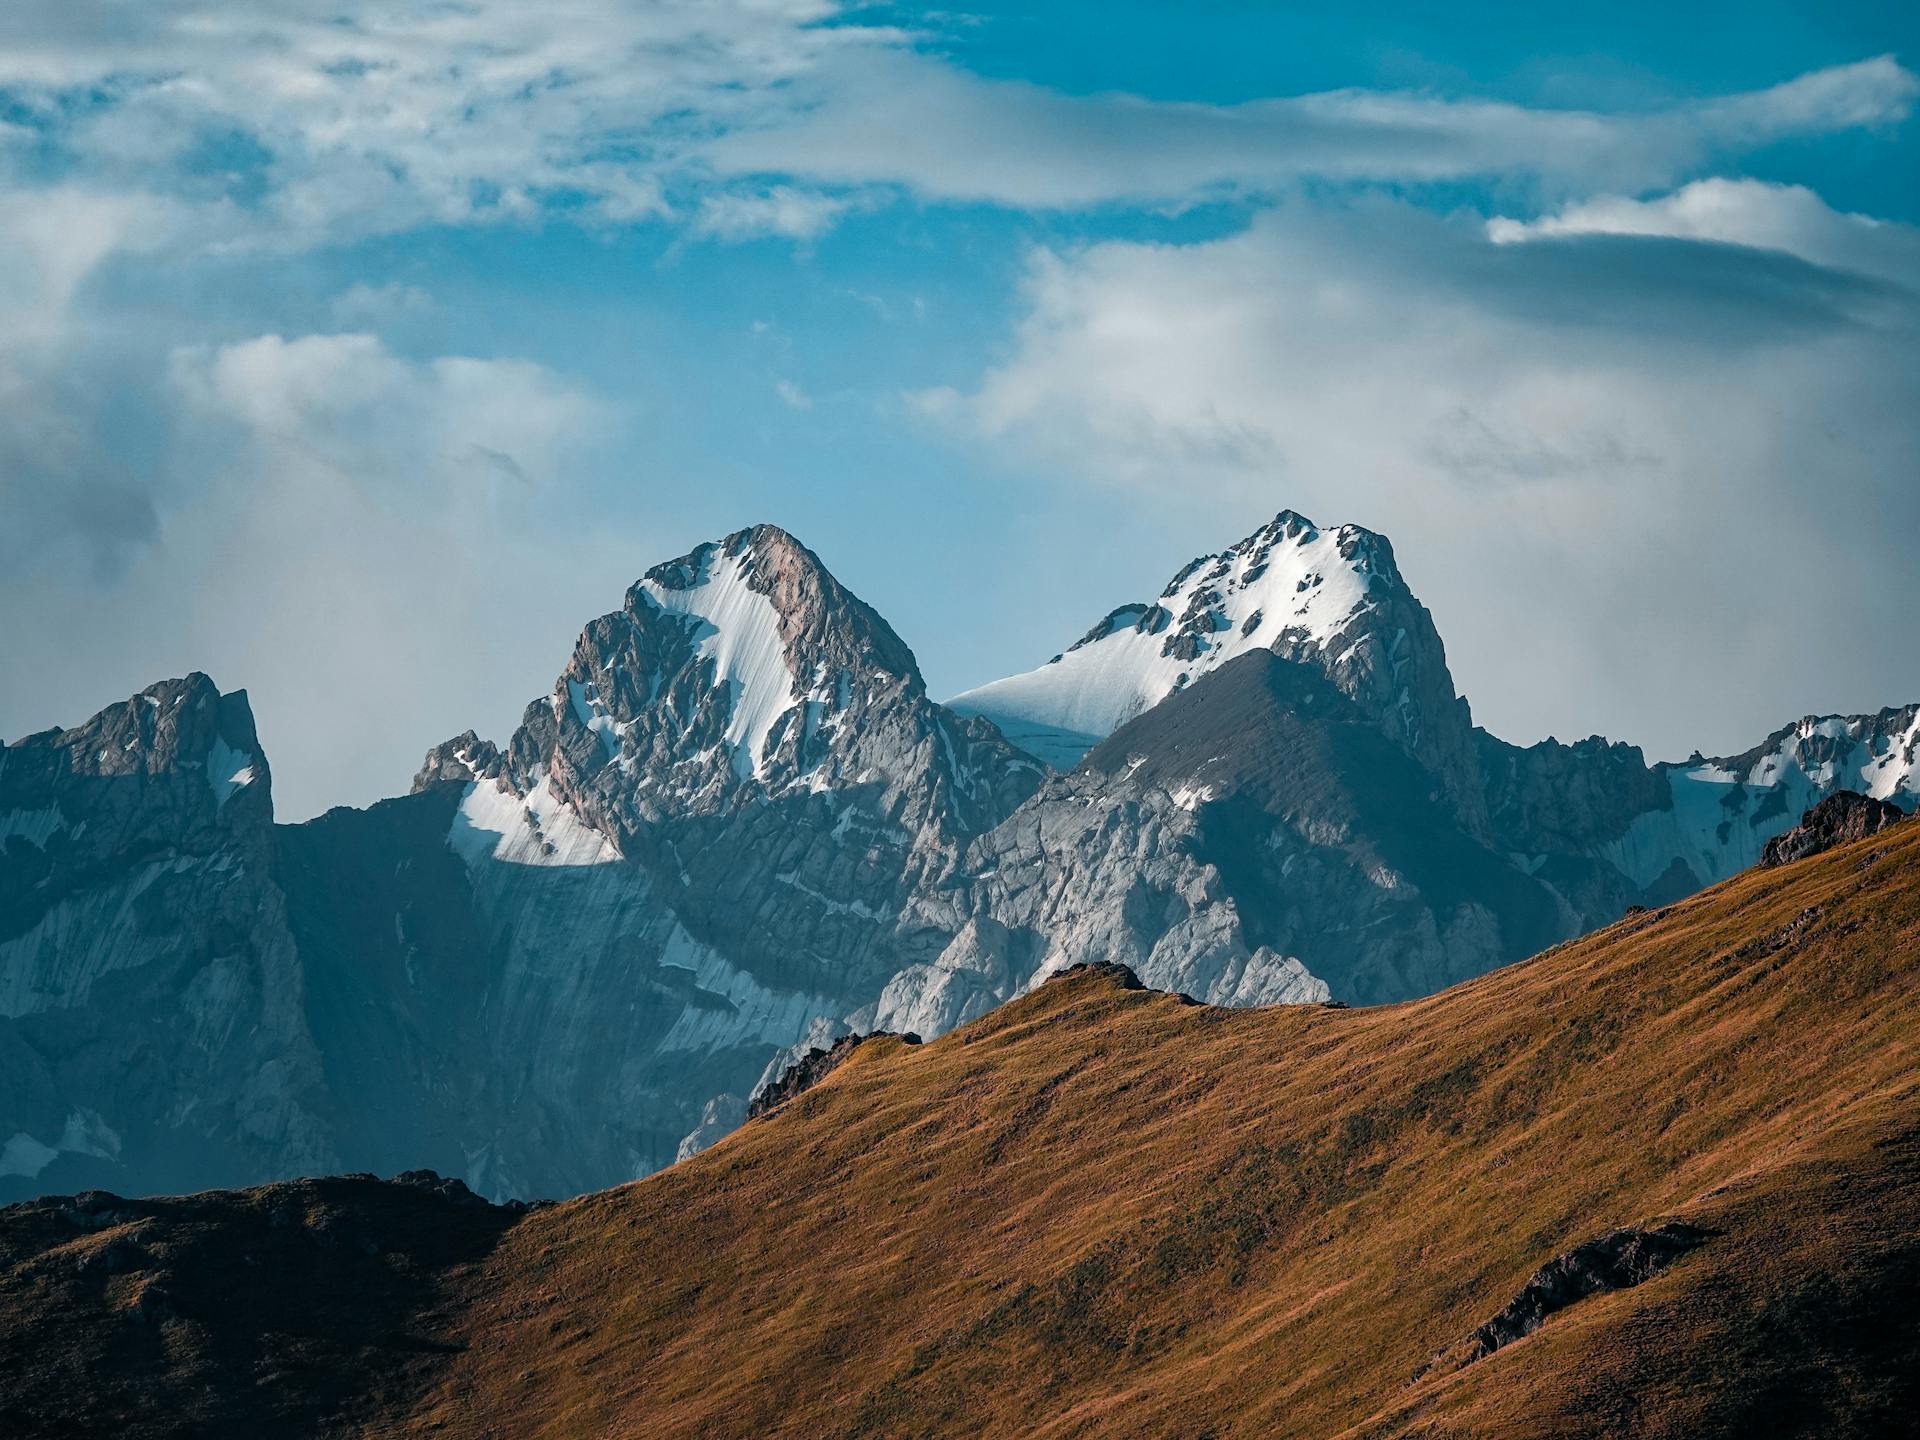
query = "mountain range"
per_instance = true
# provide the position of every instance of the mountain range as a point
(738, 827)
(1661, 1181)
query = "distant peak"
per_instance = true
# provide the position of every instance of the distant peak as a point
(1290, 585)
(1333, 599)
(175, 726)
(813, 609)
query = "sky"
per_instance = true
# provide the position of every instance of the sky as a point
(358, 353)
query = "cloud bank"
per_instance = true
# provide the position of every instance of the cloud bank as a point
(299, 122)
(913, 121)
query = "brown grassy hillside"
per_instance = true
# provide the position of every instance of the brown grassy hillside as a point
(1107, 1212)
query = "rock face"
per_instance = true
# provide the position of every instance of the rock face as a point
(708, 836)
(1844, 816)
(152, 1014)
(760, 742)
(1617, 1260)
(699, 850)
(543, 970)
(737, 828)
(1556, 838)
(1719, 813)
(1254, 839)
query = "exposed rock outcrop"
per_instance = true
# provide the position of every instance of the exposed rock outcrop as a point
(721, 817)
(465, 757)
(1616, 1260)
(1255, 839)
(813, 1067)
(1844, 816)
(1119, 975)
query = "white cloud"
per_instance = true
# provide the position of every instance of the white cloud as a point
(779, 210)
(347, 407)
(792, 395)
(363, 118)
(895, 117)
(298, 122)
(1841, 97)
(370, 306)
(66, 497)
(1789, 218)
(383, 550)
(1614, 470)
(54, 238)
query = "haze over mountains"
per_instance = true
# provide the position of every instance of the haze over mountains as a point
(738, 825)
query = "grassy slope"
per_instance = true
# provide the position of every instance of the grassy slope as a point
(1103, 1212)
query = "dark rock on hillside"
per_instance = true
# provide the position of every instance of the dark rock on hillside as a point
(1616, 1260)
(1555, 797)
(447, 1188)
(813, 1067)
(1843, 816)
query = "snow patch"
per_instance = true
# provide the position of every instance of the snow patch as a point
(84, 1133)
(493, 823)
(741, 636)
(228, 771)
(1722, 816)
(833, 906)
(588, 709)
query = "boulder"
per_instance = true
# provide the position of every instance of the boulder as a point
(1843, 816)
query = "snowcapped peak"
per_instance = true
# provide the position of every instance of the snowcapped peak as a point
(786, 644)
(756, 550)
(741, 667)
(1289, 586)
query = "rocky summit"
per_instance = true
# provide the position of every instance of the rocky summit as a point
(737, 827)
(154, 1017)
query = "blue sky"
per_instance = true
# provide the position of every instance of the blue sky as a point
(358, 354)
